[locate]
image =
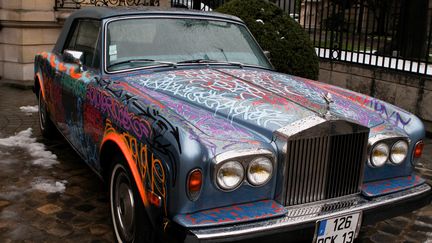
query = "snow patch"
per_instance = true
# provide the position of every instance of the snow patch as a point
(29, 109)
(49, 185)
(37, 150)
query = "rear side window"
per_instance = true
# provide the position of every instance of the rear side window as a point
(85, 38)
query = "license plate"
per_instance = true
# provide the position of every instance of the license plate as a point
(340, 229)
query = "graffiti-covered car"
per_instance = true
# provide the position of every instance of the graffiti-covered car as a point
(199, 139)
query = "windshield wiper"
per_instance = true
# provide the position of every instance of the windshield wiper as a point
(199, 61)
(211, 61)
(142, 60)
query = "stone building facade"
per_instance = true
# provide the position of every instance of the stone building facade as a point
(28, 27)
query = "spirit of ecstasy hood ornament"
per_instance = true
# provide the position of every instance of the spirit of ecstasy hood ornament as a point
(328, 99)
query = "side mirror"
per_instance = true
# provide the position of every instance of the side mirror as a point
(267, 54)
(74, 57)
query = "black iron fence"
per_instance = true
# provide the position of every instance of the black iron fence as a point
(205, 5)
(77, 4)
(394, 34)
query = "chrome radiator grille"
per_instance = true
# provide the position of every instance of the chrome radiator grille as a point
(325, 167)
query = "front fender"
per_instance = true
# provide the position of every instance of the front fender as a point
(148, 172)
(126, 152)
(40, 59)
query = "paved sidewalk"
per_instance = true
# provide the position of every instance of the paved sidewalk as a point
(48, 194)
(43, 198)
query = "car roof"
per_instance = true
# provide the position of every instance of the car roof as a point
(110, 12)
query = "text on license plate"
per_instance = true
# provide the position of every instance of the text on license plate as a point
(340, 229)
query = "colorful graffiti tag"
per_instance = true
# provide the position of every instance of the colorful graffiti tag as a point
(307, 93)
(239, 213)
(68, 73)
(149, 167)
(93, 122)
(373, 189)
(226, 96)
(265, 98)
(118, 112)
(216, 133)
(388, 112)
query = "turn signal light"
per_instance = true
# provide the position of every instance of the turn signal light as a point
(418, 149)
(194, 184)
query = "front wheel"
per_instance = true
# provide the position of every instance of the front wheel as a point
(127, 210)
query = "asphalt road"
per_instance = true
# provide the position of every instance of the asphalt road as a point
(48, 194)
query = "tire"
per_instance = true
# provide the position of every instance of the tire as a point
(128, 214)
(45, 124)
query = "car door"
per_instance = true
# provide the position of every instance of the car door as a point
(75, 79)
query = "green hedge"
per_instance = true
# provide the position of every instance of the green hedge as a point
(290, 47)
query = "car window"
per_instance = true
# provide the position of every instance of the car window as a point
(85, 39)
(178, 40)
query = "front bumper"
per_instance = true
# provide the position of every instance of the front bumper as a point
(300, 220)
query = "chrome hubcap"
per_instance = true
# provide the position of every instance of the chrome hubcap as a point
(124, 207)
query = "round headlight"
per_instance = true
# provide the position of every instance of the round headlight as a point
(379, 155)
(399, 152)
(230, 175)
(259, 171)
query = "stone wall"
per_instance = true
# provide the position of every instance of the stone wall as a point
(26, 28)
(406, 90)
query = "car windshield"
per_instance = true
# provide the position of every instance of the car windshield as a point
(133, 43)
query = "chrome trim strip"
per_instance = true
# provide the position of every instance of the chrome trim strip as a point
(300, 126)
(384, 136)
(234, 154)
(308, 213)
